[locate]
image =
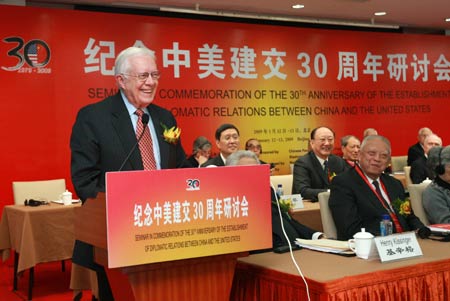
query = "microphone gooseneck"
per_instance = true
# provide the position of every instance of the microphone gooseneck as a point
(145, 119)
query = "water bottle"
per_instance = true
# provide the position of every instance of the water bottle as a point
(280, 191)
(385, 225)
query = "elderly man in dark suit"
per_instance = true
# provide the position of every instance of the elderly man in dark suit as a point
(362, 195)
(314, 171)
(420, 170)
(122, 132)
(416, 151)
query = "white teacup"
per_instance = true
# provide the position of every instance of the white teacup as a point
(361, 243)
(66, 197)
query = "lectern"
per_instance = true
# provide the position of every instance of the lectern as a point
(205, 278)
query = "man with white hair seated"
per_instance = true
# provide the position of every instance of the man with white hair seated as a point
(420, 170)
(416, 151)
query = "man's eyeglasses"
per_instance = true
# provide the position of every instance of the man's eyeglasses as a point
(144, 76)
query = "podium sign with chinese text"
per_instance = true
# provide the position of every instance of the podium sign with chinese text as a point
(164, 215)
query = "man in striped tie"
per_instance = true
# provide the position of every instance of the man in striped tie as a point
(360, 196)
(125, 131)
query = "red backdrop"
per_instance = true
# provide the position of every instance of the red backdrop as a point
(275, 83)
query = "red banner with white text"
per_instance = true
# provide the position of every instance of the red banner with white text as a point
(275, 83)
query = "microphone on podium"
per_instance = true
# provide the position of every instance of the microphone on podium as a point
(145, 120)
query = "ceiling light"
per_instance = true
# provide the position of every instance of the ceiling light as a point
(298, 6)
(380, 13)
(447, 20)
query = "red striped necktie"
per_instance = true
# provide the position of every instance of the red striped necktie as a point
(145, 144)
(398, 227)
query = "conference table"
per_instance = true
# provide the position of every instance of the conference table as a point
(41, 234)
(330, 277)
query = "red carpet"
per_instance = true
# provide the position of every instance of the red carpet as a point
(50, 283)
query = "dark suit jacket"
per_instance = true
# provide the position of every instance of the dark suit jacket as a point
(309, 178)
(420, 171)
(102, 137)
(214, 161)
(354, 205)
(415, 152)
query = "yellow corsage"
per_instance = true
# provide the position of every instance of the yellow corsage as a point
(171, 135)
(403, 207)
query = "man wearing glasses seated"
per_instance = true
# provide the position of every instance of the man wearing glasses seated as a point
(314, 171)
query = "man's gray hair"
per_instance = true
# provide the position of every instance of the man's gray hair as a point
(122, 65)
(376, 137)
(234, 158)
(432, 136)
(344, 140)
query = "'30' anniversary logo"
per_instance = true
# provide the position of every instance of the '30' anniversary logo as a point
(35, 53)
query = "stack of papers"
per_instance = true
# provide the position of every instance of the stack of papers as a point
(326, 245)
(440, 228)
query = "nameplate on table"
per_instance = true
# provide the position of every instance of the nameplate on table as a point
(398, 246)
(296, 200)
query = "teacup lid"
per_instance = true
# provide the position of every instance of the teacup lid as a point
(66, 192)
(427, 180)
(363, 234)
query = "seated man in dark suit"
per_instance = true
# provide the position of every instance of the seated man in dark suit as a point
(292, 227)
(362, 195)
(313, 171)
(416, 151)
(420, 170)
(227, 141)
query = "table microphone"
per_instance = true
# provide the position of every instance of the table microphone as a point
(145, 119)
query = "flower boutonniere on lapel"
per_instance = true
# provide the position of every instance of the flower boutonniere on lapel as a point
(171, 135)
(403, 207)
(331, 175)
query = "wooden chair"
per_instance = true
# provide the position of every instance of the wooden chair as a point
(47, 190)
(415, 195)
(407, 170)
(285, 180)
(398, 162)
(329, 227)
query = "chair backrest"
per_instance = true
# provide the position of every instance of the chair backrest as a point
(415, 195)
(407, 170)
(398, 162)
(49, 190)
(285, 180)
(329, 227)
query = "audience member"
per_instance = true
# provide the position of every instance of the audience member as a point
(420, 170)
(350, 146)
(362, 195)
(254, 145)
(227, 141)
(292, 228)
(314, 170)
(436, 197)
(416, 151)
(201, 151)
(369, 132)
(106, 132)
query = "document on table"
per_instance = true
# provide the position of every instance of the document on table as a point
(326, 245)
(440, 228)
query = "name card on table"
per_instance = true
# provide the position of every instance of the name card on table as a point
(398, 246)
(172, 214)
